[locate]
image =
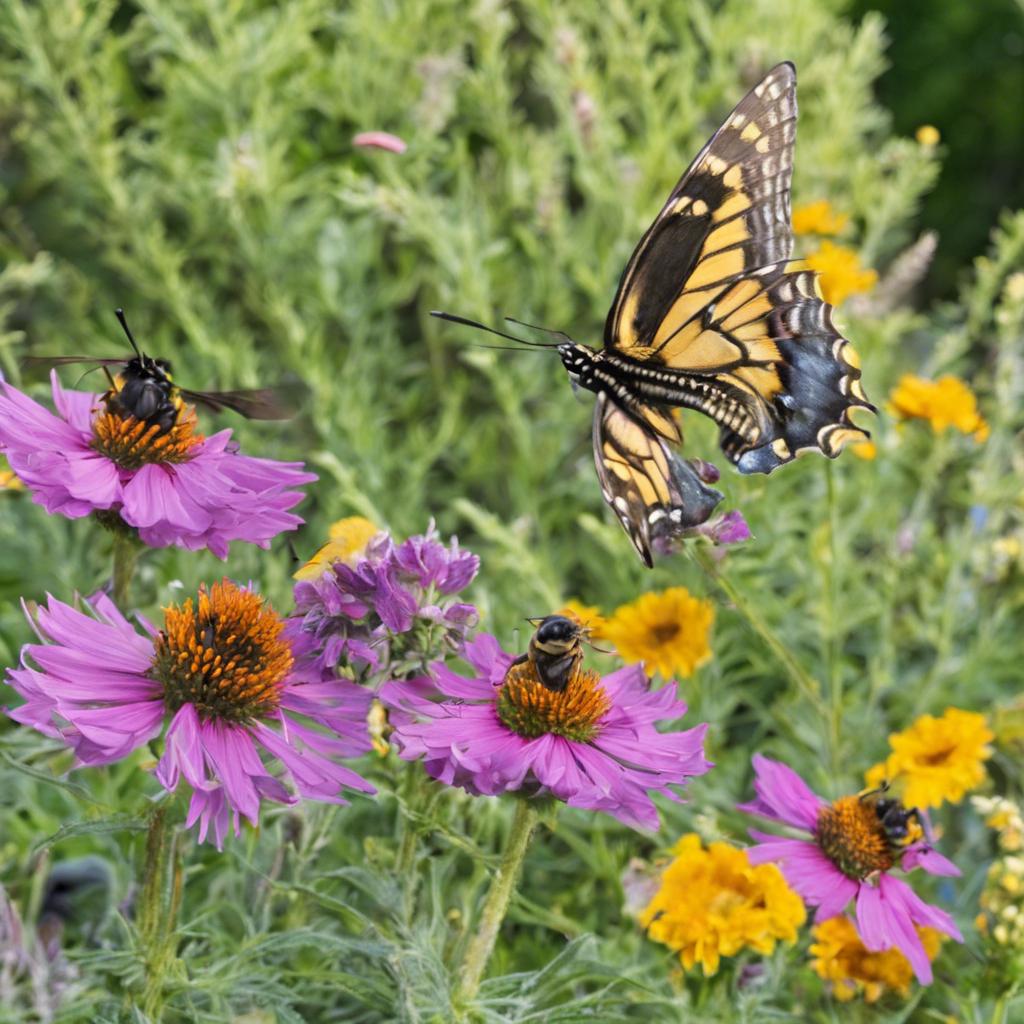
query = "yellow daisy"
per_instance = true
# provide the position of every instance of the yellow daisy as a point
(840, 272)
(713, 902)
(818, 219)
(842, 959)
(927, 135)
(946, 402)
(936, 759)
(667, 631)
(587, 615)
(348, 540)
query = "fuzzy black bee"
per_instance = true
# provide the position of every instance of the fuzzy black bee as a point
(144, 388)
(555, 650)
(892, 816)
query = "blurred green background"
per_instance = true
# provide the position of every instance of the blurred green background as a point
(192, 161)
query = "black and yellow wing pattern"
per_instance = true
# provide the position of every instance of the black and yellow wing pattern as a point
(710, 316)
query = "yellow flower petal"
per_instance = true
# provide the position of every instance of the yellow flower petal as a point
(667, 631)
(712, 902)
(927, 135)
(818, 219)
(840, 272)
(946, 402)
(348, 540)
(936, 759)
(587, 615)
(840, 958)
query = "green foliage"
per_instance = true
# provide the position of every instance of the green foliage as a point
(192, 161)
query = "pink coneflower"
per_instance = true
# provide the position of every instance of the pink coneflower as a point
(593, 744)
(849, 857)
(172, 486)
(220, 676)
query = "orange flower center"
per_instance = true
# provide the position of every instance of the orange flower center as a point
(851, 835)
(531, 709)
(225, 655)
(132, 443)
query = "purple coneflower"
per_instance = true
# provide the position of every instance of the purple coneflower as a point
(172, 487)
(353, 606)
(848, 857)
(220, 676)
(593, 744)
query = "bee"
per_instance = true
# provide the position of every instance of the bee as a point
(555, 650)
(893, 816)
(144, 387)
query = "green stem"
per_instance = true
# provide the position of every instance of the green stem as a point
(159, 902)
(833, 644)
(126, 554)
(804, 682)
(496, 905)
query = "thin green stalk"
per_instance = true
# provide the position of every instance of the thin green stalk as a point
(496, 905)
(807, 686)
(126, 554)
(159, 902)
(832, 640)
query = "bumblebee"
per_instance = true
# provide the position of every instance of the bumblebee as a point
(555, 650)
(144, 388)
(893, 816)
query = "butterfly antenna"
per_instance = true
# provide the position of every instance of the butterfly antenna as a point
(119, 313)
(452, 318)
(537, 327)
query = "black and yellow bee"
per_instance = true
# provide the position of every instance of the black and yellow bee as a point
(555, 650)
(144, 388)
(709, 316)
(893, 817)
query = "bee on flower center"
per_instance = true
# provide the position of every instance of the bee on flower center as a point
(555, 650)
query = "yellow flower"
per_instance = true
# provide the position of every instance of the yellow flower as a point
(587, 615)
(927, 135)
(841, 958)
(713, 902)
(818, 219)
(8, 480)
(667, 631)
(864, 449)
(841, 274)
(1005, 817)
(348, 540)
(946, 402)
(936, 759)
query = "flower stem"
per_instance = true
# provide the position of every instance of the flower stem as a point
(159, 902)
(126, 554)
(502, 886)
(799, 674)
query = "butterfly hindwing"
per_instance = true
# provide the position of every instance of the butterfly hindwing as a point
(655, 494)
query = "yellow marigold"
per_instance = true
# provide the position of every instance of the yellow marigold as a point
(842, 959)
(667, 631)
(348, 540)
(936, 759)
(927, 135)
(713, 902)
(946, 402)
(841, 274)
(587, 615)
(818, 219)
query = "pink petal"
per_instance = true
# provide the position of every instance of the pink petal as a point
(379, 140)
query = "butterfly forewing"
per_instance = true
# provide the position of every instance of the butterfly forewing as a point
(727, 216)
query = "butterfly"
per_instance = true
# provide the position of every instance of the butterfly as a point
(709, 316)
